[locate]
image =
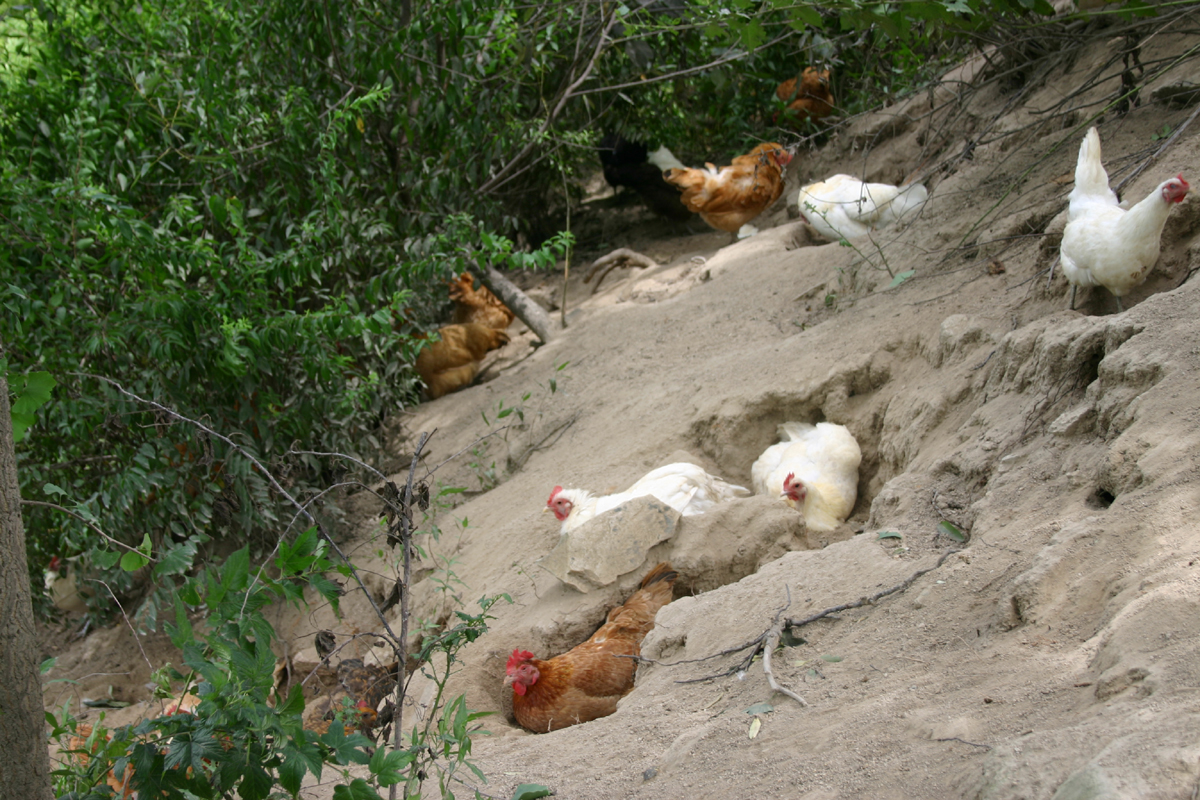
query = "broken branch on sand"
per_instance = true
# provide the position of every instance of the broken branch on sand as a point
(768, 640)
(622, 257)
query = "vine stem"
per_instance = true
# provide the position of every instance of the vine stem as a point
(401, 646)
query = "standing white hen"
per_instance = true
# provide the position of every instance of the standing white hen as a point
(843, 207)
(814, 468)
(1103, 244)
(684, 487)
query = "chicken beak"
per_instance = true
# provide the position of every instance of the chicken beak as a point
(509, 680)
(545, 509)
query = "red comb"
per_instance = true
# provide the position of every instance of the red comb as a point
(791, 476)
(554, 494)
(518, 658)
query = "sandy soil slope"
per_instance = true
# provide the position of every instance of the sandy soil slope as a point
(1054, 655)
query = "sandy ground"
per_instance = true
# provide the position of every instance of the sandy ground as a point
(1053, 656)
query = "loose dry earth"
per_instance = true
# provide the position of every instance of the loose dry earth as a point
(1054, 655)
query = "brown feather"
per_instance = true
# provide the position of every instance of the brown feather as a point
(813, 100)
(452, 362)
(586, 682)
(477, 305)
(729, 198)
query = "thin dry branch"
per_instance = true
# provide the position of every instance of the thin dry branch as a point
(262, 470)
(768, 640)
(769, 645)
(87, 522)
(621, 257)
(867, 601)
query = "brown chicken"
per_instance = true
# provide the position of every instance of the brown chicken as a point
(452, 362)
(79, 753)
(730, 197)
(586, 682)
(477, 305)
(812, 100)
(322, 714)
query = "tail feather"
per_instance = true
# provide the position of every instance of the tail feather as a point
(907, 201)
(1091, 181)
(662, 572)
(794, 431)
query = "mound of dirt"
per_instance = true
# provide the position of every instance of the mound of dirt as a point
(1055, 654)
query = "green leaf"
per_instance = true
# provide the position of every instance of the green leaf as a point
(357, 790)
(386, 766)
(951, 530)
(35, 392)
(176, 560)
(531, 791)
(889, 535)
(901, 277)
(47, 665)
(256, 783)
(760, 708)
(291, 774)
(216, 204)
(831, 659)
(789, 639)
(133, 560)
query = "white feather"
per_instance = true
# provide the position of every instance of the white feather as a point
(684, 487)
(843, 207)
(825, 457)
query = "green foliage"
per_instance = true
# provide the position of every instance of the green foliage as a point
(32, 392)
(244, 736)
(950, 529)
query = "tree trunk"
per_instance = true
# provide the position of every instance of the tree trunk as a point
(24, 756)
(518, 302)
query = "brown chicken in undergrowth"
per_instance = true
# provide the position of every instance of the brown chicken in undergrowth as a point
(452, 362)
(812, 100)
(78, 750)
(478, 305)
(586, 682)
(729, 197)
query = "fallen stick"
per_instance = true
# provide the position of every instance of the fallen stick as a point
(621, 257)
(518, 302)
(768, 640)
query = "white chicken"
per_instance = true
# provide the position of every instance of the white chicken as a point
(843, 207)
(60, 584)
(684, 487)
(815, 469)
(1103, 244)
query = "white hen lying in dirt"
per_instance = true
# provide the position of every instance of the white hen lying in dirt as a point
(1103, 244)
(815, 469)
(843, 207)
(684, 487)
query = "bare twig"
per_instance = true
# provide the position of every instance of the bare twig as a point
(772, 641)
(866, 601)
(768, 640)
(262, 470)
(621, 257)
(964, 741)
(1153, 158)
(87, 522)
(137, 639)
(401, 647)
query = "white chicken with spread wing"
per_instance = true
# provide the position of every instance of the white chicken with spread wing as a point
(684, 487)
(843, 207)
(814, 468)
(1103, 244)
